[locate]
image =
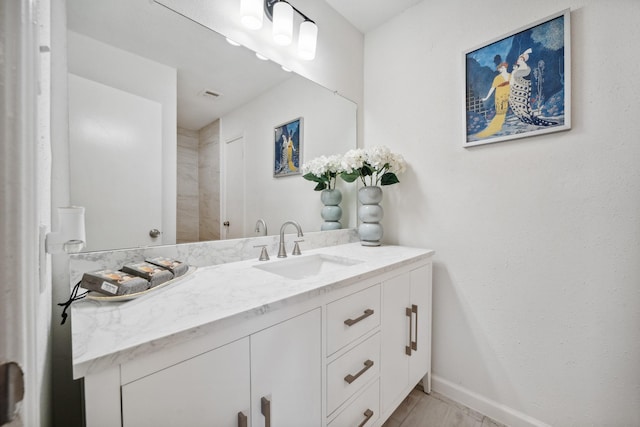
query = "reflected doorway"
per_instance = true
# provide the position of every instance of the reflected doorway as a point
(233, 189)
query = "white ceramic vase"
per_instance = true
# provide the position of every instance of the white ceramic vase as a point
(331, 212)
(370, 213)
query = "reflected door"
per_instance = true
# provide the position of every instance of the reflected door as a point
(234, 188)
(115, 142)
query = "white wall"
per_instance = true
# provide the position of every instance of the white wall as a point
(328, 128)
(536, 296)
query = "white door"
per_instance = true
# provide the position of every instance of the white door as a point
(207, 390)
(234, 197)
(115, 156)
(286, 368)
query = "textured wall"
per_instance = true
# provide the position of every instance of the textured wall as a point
(209, 181)
(536, 297)
(187, 215)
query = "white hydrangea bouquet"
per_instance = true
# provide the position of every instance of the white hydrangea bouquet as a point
(323, 170)
(374, 166)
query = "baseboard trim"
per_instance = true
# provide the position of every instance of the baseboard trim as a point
(492, 409)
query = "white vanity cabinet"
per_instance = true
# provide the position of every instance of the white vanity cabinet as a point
(339, 350)
(406, 335)
(269, 378)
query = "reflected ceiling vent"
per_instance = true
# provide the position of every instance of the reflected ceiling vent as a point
(209, 94)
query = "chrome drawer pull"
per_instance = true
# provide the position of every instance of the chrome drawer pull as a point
(367, 414)
(407, 349)
(414, 344)
(351, 378)
(350, 322)
(265, 408)
(242, 420)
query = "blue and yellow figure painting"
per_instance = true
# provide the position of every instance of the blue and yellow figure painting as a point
(524, 74)
(287, 149)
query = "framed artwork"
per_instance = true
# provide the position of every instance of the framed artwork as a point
(287, 148)
(519, 84)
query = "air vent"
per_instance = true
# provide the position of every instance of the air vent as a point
(209, 94)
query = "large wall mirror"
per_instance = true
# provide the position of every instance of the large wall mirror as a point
(171, 128)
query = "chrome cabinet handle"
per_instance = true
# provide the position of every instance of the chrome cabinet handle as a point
(414, 344)
(265, 408)
(407, 349)
(351, 378)
(154, 233)
(350, 322)
(242, 420)
(367, 416)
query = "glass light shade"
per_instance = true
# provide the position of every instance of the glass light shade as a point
(307, 40)
(251, 14)
(282, 23)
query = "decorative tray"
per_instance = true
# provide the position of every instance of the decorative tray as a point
(97, 296)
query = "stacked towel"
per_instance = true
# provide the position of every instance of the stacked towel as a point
(112, 283)
(178, 268)
(153, 273)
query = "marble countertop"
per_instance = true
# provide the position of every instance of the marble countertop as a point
(109, 333)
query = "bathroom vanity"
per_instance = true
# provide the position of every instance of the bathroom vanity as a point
(337, 336)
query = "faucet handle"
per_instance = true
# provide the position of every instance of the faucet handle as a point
(296, 248)
(264, 255)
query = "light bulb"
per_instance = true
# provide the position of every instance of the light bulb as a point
(282, 23)
(307, 40)
(251, 13)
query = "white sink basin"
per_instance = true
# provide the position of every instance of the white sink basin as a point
(303, 266)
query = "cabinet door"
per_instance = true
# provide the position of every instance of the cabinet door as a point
(394, 361)
(285, 373)
(207, 390)
(406, 334)
(420, 360)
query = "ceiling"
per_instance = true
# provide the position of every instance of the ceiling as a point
(366, 15)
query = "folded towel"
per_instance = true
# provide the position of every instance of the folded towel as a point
(112, 283)
(153, 273)
(178, 268)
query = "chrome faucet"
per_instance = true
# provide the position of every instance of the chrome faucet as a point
(264, 226)
(282, 252)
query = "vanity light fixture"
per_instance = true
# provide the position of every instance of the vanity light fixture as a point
(307, 40)
(261, 57)
(251, 13)
(232, 42)
(281, 13)
(282, 23)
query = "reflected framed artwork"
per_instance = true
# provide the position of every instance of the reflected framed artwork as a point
(519, 84)
(287, 148)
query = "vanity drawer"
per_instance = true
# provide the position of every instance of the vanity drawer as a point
(351, 317)
(362, 412)
(351, 371)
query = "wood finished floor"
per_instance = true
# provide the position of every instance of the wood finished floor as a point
(434, 410)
